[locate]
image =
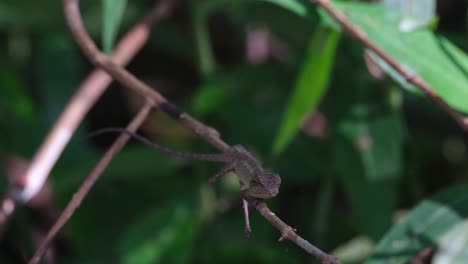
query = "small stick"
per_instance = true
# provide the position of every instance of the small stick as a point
(84, 189)
(289, 233)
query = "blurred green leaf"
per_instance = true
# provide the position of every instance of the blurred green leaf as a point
(453, 246)
(14, 13)
(368, 150)
(374, 200)
(163, 236)
(291, 5)
(310, 85)
(355, 251)
(208, 98)
(420, 52)
(14, 98)
(58, 71)
(414, 14)
(378, 144)
(113, 11)
(426, 225)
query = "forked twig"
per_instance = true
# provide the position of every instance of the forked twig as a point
(128, 80)
(418, 81)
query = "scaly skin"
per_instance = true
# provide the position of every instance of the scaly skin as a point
(255, 182)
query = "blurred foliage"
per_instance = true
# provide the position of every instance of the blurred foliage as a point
(112, 17)
(356, 152)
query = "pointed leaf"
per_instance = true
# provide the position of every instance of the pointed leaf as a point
(421, 52)
(113, 11)
(425, 226)
(291, 5)
(310, 85)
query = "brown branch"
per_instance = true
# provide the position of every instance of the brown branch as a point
(289, 233)
(127, 79)
(85, 97)
(89, 182)
(410, 77)
(155, 99)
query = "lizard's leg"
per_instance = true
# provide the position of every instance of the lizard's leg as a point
(228, 167)
(248, 230)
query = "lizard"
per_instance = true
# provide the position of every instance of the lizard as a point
(254, 181)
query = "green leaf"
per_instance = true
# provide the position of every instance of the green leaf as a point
(14, 99)
(426, 225)
(367, 148)
(421, 52)
(453, 247)
(310, 85)
(435, 59)
(355, 251)
(208, 98)
(374, 200)
(377, 142)
(58, 72)
(163, 236)
(113, 11)
(206, 60)
(292, 5)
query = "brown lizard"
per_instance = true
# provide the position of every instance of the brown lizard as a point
(254, 181)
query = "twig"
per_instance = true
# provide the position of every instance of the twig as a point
(89, 182)
(85, 97)
(410, 77)
(289, 233)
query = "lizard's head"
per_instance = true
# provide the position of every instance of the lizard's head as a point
(275, 183)
(271, 183)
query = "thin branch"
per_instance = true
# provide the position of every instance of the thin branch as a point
(289, 233)
(410, 77)
(127, 79)
(89, 182)
(90, 49)
(85, 97)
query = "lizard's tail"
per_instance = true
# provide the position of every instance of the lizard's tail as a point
(168, 151)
